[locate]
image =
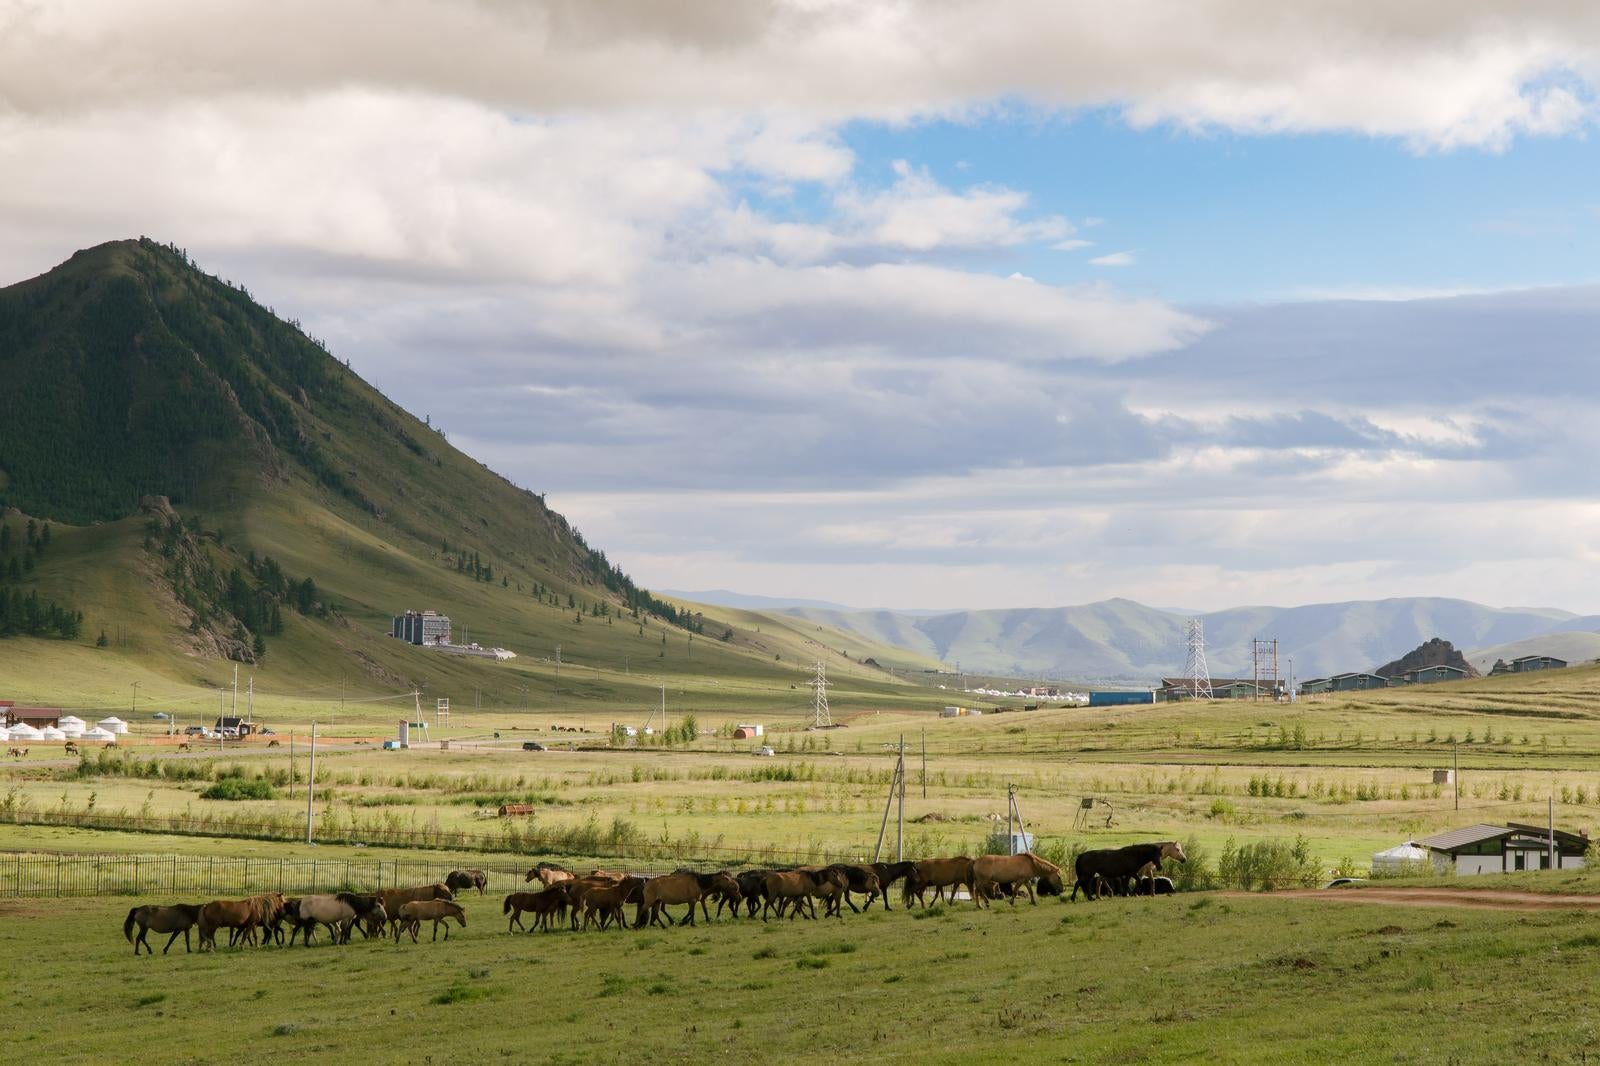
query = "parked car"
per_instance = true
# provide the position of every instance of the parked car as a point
(1341, 882)
(533, 745)
(763, 750)
(196, 731)
(264, 731)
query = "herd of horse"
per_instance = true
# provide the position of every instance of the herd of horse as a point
(600, 899)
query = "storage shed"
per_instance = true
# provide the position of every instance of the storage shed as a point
(748, 731)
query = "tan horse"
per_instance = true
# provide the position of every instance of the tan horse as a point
(395, 898)
(937, 874)
(241, 914)
(548, 873)
(791, 891)
(412, 915)
(991, 871)
(540, 904)
(178, 918)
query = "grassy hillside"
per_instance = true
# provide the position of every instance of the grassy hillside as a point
(1571, 646)
(177, 435)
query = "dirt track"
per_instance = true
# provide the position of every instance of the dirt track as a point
(1487, 898)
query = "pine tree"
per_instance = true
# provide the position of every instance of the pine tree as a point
(102, 640)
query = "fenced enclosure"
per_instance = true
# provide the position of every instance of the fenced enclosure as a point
(35, 874)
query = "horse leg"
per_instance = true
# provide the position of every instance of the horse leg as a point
(688, 919)
(853, 908)
(173, 937)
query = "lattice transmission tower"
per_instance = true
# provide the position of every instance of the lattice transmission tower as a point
(1195, 671)
(822, 719)
(1264, 668)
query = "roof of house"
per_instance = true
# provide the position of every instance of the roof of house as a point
(1530, 658)
(1452, 839)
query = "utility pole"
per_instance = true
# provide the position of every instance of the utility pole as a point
(900, 829)
(924, 762)
(291, 766)
(896, 790)
(311, 780)
(135, 711)
(235, 690)
(1550, 822)
(558, 669)
(341, 695)
(222, 707)
(250, 700)
(1455, 773)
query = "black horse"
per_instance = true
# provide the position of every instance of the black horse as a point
(1115, 866)
(888, 874)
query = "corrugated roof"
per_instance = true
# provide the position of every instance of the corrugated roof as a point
(1459, 838)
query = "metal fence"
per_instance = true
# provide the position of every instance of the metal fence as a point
(35, 874)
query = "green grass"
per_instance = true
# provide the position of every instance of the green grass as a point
(1241, 980)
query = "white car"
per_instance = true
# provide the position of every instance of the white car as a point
(763, 750)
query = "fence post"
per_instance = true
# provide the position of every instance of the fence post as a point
(58, 875)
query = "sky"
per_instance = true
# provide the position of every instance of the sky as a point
(917, 304)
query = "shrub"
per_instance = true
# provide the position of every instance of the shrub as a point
(237, 788)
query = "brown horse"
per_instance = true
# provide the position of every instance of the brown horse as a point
(793, 891)
(395, 898)
(69, 748)
(413, 914)
(990, 872)
(175, 919)
(937, 874)
(685, 886)
(241, 914)
(540, 904)
(462, 880)
(602, 902)
(859, 877)
(548, 873)
(888, 873)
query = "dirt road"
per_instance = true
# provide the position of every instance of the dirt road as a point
(1483, 898)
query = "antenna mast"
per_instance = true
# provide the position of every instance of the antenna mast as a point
(1195, 671)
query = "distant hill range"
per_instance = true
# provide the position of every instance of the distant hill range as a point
(1120, 640)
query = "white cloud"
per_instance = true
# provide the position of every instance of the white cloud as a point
(1114, 259)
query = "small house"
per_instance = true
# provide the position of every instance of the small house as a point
(1494, 849)
(748, 731)
(37, 717)
(1316, 686)
(1528, 663)
(234, 727)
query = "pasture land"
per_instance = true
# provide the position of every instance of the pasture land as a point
(1348, 776)
(1187, 978)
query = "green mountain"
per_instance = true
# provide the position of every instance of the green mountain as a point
(221, 489)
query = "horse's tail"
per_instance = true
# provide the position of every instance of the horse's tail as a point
(127, 925)
(507, 908)
(906, 892)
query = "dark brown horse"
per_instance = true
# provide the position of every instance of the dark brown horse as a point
(937, 874)
(174, 919)
(540, 904)
(462, 880)
(888, 873)
(413, 914)
(1116, 866)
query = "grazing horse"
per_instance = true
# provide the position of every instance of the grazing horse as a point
(273, 744)
(175, 919)
(995, 871)
(1117, 865)
(548, 873)
(413, 914)
(784, 887)
(395, 898)
(859, 877)
(241, 914)
(461, 880)
(69, 748)
(937, 874)
(540, 904)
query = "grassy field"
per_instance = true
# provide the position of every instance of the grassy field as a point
(1175, 979)
(1350, 777)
